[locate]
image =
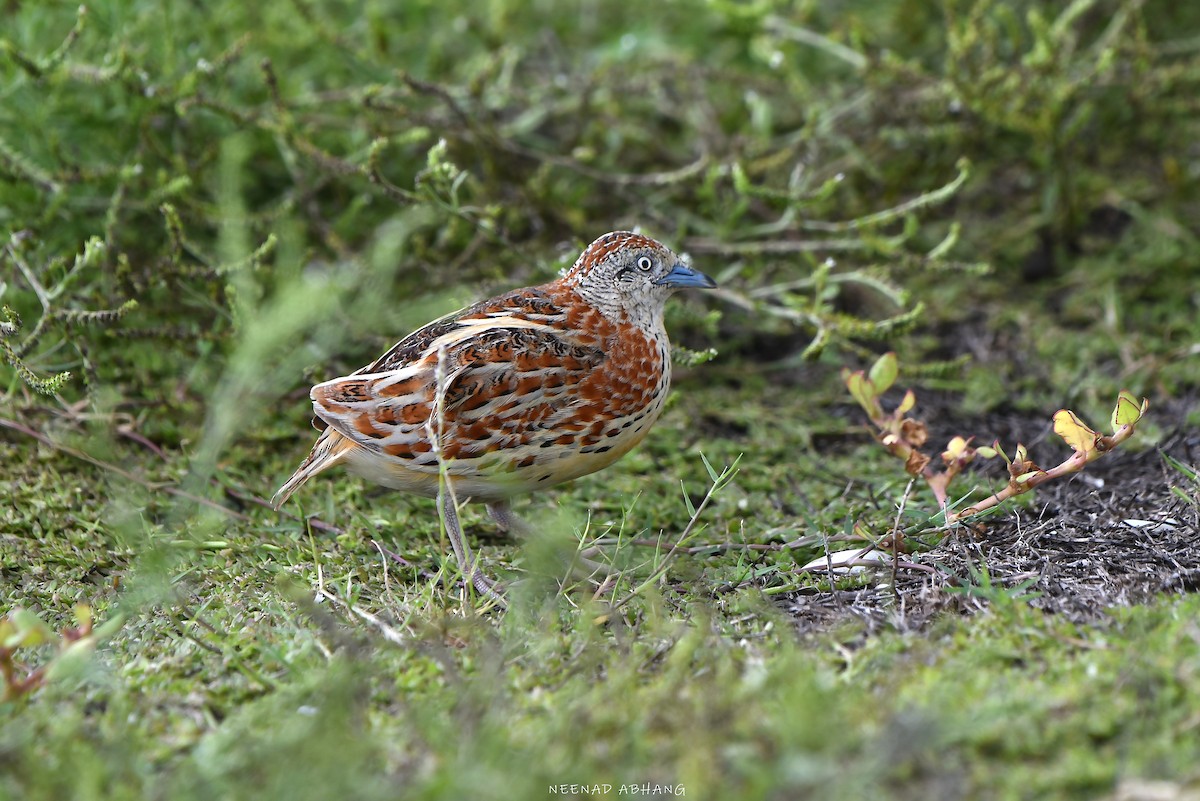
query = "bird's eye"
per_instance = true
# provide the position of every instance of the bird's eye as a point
(644, 264)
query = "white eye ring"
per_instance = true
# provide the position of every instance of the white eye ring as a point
(645, 264)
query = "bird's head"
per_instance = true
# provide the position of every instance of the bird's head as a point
(627, 274)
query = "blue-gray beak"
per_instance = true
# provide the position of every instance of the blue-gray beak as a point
(682, 277)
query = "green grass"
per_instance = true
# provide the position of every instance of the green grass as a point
(267, 182)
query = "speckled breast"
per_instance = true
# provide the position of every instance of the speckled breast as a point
(590, 425)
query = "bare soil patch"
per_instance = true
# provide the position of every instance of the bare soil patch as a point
(1117, 534)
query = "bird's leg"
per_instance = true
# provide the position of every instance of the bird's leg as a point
(462, 551)
(502, 515)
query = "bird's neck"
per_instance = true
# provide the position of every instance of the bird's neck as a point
(645, 314)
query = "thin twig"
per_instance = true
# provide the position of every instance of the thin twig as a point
(154, 486)
(389, 633)
(103, 465)
(719, 547)
(428, 575)
(34, 284)
(248, 497)
(664, 178)
(872, 563)
(776, 246)
(896, 536)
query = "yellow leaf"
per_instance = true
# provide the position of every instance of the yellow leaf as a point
(906, 405)
(1074, 432)
(83, 616)
(954, 449)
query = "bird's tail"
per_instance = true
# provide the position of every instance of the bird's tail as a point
(330, 449)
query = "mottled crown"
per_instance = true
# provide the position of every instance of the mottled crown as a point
(597, 253)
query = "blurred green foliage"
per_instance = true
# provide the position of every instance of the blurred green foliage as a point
(220, 149)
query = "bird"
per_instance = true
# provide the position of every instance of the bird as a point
(513, 394)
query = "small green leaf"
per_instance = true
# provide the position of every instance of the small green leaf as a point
(30, 630)
(741, 182)
(1127, 411)
(728, 474)
(1189, 472)
(884, 372)
(108, 628)
(687, 501)
(860, 389)
(72, 661)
